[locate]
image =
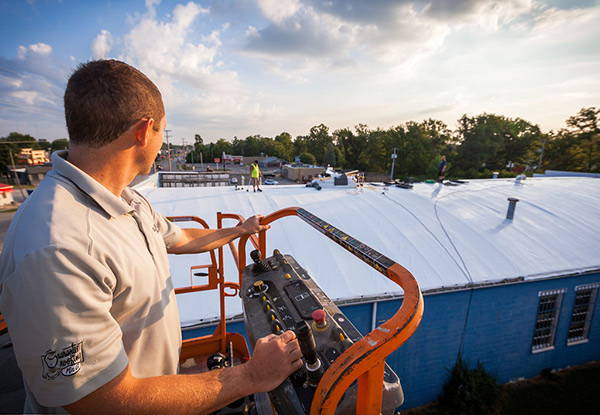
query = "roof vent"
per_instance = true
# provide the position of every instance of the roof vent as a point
(512, 204)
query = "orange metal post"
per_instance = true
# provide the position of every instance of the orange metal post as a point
(370, 390)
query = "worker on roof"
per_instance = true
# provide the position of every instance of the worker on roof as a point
(255, 174)
(442, 169)
(84, 276)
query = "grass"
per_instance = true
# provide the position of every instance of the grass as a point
(569, 391)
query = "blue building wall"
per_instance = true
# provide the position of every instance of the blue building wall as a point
(497, 331)
(494, 325)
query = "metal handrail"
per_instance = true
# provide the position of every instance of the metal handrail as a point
(365, 360)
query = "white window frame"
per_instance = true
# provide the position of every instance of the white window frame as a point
(588, 317)
(547, 320)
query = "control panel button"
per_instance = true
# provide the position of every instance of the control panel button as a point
(258, 286)
(319, 317)
(271, 316)
(277, 327)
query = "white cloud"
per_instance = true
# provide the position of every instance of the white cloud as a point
(395, 33)
(196, 84)
(40, 49)
(279, 11)
(102, 45)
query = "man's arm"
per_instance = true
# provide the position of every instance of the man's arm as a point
(195, 240)
(273, 360)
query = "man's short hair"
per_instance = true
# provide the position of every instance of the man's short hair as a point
(104, 98)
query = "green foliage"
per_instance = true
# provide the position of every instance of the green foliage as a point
(469, 391)
(14, 142)
(577, 147)
(308, 158)
(493, 142)
(60, 144)
(479, 146)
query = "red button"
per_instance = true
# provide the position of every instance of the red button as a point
(318, 316)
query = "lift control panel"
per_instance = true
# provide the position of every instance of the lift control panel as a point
(279, 295)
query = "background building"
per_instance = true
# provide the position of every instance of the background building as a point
(517, 294)
(301, 172)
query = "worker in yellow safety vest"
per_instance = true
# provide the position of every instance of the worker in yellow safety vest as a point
(255, 174)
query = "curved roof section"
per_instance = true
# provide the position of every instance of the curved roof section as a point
(446, 236)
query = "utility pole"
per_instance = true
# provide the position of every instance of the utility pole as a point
(168, 148)
(542, 154)
(17, 181)
(394, 157)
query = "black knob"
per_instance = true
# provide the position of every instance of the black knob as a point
(216, 361)
(259, 264)
(258, 286)
(255, 255)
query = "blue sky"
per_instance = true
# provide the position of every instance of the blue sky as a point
(240, 67)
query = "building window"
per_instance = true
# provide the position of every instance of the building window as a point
(585, 298)
(547, 320)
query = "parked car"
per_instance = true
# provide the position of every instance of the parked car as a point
(271, 181)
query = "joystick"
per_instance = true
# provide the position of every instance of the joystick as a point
(314, 368)
(259, 265)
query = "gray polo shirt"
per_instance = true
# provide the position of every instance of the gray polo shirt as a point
(85, 288)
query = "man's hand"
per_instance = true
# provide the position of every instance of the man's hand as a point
(274, 358)
(252, 225)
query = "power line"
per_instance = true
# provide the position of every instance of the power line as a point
(2, 68)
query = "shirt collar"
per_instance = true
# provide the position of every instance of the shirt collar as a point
(111, 204)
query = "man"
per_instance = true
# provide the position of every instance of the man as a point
(255, 174)
(442, 169)
(84, 275)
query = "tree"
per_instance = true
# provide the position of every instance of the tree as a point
(300, 145)
(332, 155)
(317, 141)
(586, 127)
(60, 144)
(287, 151)
(194, 155)
(494, 142)
(352, 145)
(220, 147)
(14, 142)
(308, 158)
(45, 144)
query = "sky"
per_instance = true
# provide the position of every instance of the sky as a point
(235, 68)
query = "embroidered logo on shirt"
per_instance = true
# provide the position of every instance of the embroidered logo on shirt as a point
(67, 361)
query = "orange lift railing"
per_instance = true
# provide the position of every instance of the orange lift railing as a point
(363, 361)
(201, 347)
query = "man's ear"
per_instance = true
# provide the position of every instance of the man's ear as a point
(143, 130)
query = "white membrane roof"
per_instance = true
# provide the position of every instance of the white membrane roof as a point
(446, 236)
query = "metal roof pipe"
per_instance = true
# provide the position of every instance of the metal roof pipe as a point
(512, 204)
